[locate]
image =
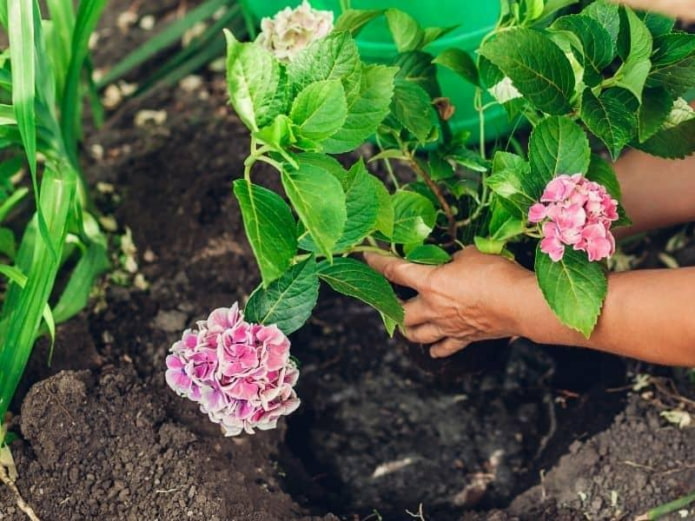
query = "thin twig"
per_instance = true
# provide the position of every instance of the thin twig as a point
(21, 504)
(437, 193)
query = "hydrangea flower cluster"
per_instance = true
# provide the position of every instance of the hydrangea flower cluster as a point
(240, 373)
(291, 30)
(575, 212)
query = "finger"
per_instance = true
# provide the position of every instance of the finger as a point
(416, 312)
(424, 334)
(399, 271)
(448, 347)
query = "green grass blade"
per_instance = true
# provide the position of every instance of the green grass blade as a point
(88, 14)
(202, 50)
(161, 41)
(3, 13)
(20, 279)
(22, 314)
(21, 35)
(63, 24)
(195, 62)
(7, 116)
(11, 202)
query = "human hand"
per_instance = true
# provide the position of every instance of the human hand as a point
(469, 299)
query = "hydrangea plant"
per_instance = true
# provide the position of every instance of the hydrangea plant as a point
(605, 76)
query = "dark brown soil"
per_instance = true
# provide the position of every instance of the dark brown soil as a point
(544, 436)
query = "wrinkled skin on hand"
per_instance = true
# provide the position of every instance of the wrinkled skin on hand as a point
(464, 301)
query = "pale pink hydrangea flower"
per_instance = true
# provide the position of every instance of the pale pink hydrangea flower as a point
(292, 30)
(240, 373)
(575, 212)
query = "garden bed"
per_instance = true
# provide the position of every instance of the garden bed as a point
(546, 434)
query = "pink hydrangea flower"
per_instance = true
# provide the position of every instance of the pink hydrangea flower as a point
(240, 373)
(575, 212)
(292, 30)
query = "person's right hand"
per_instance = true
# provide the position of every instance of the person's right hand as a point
(466, 300)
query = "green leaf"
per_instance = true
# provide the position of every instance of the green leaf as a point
(598, 49)
(8, 245)
(366, 110)
(280, 134)
(406, 31)
(414, 217)
(355, 279)
(385, 214)
(165, 38)
(21, 38)
(505, 225)
(657, 24)
(672, 48)
(676, 77)
(488, 245)
(511, 181)
(362, 204)
(412, 107)
(433, 34)
(553, 6)
(417, 67)
(320, 109)
(673, 143)
(352, 20)
(611, 117)
(536, 66)
(558, 146)
(334, 57)
(319, 200)
(288, 301)
(573, 287)
(634, 71)
(269, 226)
(86, 20)
(460, 62)
(254, 77)
(602, 172)
(76, 294)
(428, 254)
(656, 106)
(608, 15)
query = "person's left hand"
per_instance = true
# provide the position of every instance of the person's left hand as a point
(466, 300)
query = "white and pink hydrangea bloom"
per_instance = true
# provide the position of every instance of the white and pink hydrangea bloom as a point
(576, 212)
(292, 30)
(240, 373)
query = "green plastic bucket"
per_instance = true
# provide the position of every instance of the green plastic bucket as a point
(473, 21)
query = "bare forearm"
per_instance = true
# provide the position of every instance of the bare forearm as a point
(648, 314)
(656, 192)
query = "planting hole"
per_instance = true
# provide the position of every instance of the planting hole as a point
(376, 432)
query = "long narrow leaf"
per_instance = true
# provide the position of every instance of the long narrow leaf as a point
(21, 33)
(3, 14)
(11, 202)
(88, 14)
(161, 41)
(63, 24)
(22, 315)
(203, 50)
(16, 276)
(7, 116)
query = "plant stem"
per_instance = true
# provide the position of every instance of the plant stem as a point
(367, 249)
(668, 508)
(389, 168)
(437, 193)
